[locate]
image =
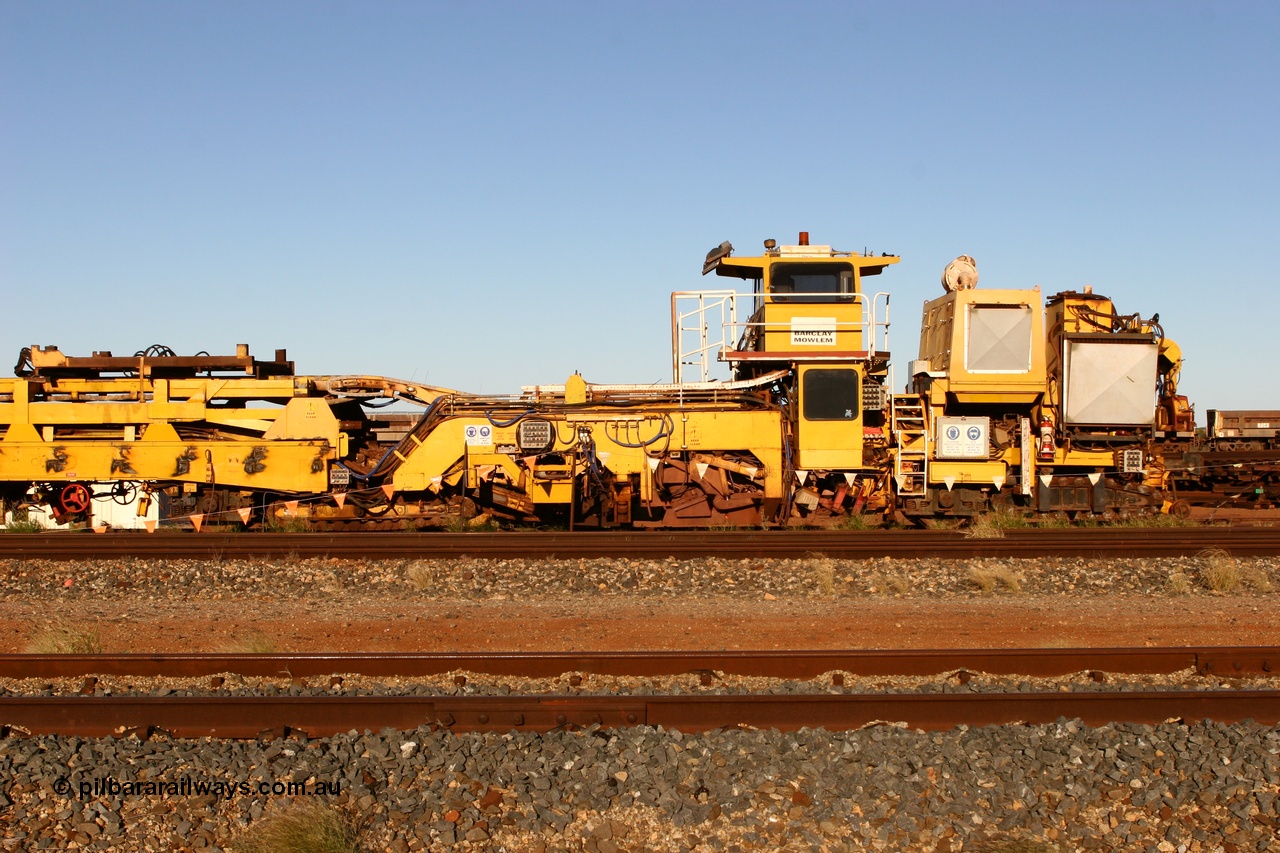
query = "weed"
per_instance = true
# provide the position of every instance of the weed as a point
(993, 524)
(890, 582)
(1157, 520)
(253, 643)
(480, 524)
(1009, 519)
(1179, 583)
(423, 575)
(286, 525)
(23, 526)
(308, 826)
(860, 521)
(1220, 571)
(824, 573)
(984, 527)
(1256, 579)
(59, 638)
(991, 579)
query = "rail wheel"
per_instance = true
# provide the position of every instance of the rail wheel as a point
(75, 499)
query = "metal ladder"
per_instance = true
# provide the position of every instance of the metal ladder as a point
(911, 433)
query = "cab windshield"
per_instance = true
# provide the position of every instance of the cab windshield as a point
(811, 282)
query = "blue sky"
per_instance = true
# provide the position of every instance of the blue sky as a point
(484, 195)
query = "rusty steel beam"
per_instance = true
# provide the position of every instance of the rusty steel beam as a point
(845, 544)
(248, 717)
(1224, 660)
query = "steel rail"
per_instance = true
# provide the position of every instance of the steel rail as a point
(276, 716)
(1231, 661)
(844, 544)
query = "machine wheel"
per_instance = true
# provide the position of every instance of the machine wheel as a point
(123, 492)
(75, 499)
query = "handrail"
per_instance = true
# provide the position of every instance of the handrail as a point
(696, 314)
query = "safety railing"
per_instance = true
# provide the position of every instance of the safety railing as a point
(705, 325)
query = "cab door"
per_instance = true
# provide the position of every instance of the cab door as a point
(829, 420)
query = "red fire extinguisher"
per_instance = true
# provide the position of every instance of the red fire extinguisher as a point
(1047, 445)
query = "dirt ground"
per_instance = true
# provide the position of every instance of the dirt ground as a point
(703, 624)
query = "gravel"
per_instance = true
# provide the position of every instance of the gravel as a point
(1063, 786)
(816, 576)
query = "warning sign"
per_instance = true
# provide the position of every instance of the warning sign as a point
(963, 438)
(480, 436)
(813, 331)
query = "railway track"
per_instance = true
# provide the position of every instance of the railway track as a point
(941, 544)
(1205, 660)
(241, 716)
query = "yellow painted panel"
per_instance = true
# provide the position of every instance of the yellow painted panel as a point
(977, 471)
(302, 418)
(812, 328)
(286, 466)
(22, 432)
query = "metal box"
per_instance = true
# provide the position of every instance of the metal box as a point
(1110, 383)
(1129, 461)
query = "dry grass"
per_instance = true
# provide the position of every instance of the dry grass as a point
(1220, 571)
(60, 638)
(823, 569)
(308, 826)
(990, 579)
(1155, 520)
(1256, 579)
(992, 525)
(861, 521)
(984, 527)
(287, 525)
(253, 643)
(481, 523)
(1179, 583)
(887, 582)
(423, 575)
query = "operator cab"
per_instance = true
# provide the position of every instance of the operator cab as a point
(807, 314)
(806, 303)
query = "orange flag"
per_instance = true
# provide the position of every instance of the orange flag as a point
(291, 505)
(388, 490)
(340, 498)
(151, 526)
(245, 513)
(197, 519)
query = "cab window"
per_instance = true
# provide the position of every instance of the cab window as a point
(811, 283)
(830, 394)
